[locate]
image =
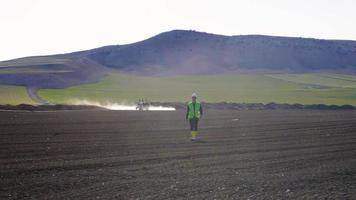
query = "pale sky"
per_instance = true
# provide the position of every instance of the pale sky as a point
(40, 27)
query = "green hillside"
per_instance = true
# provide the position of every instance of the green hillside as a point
(281, 88)
(14, 95)
(322, 79)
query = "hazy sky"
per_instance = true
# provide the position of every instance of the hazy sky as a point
(37, 27)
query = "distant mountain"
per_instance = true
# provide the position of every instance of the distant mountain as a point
(182, 52)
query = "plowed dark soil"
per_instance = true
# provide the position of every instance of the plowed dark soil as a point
(275, 154)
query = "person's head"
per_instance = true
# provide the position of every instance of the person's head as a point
(194, 97)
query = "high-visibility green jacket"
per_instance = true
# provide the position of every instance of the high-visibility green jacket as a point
(194, 110)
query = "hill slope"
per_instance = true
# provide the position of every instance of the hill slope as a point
(189, 52)
(184, 52)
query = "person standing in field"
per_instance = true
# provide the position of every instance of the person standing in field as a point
(194, 113)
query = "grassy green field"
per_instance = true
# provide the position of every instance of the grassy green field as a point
(324, 80)
(14, 95)
(280, 88)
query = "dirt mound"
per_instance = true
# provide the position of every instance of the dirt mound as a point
(261, 106)
(182, 106)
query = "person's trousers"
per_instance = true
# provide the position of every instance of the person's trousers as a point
(194, 124)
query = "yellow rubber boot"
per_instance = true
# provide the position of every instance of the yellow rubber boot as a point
(194, 135)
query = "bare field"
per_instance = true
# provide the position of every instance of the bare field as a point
(275, 154)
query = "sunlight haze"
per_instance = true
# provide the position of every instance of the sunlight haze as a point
(40, 27)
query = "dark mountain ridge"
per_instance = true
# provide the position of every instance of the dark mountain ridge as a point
(182, 52)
